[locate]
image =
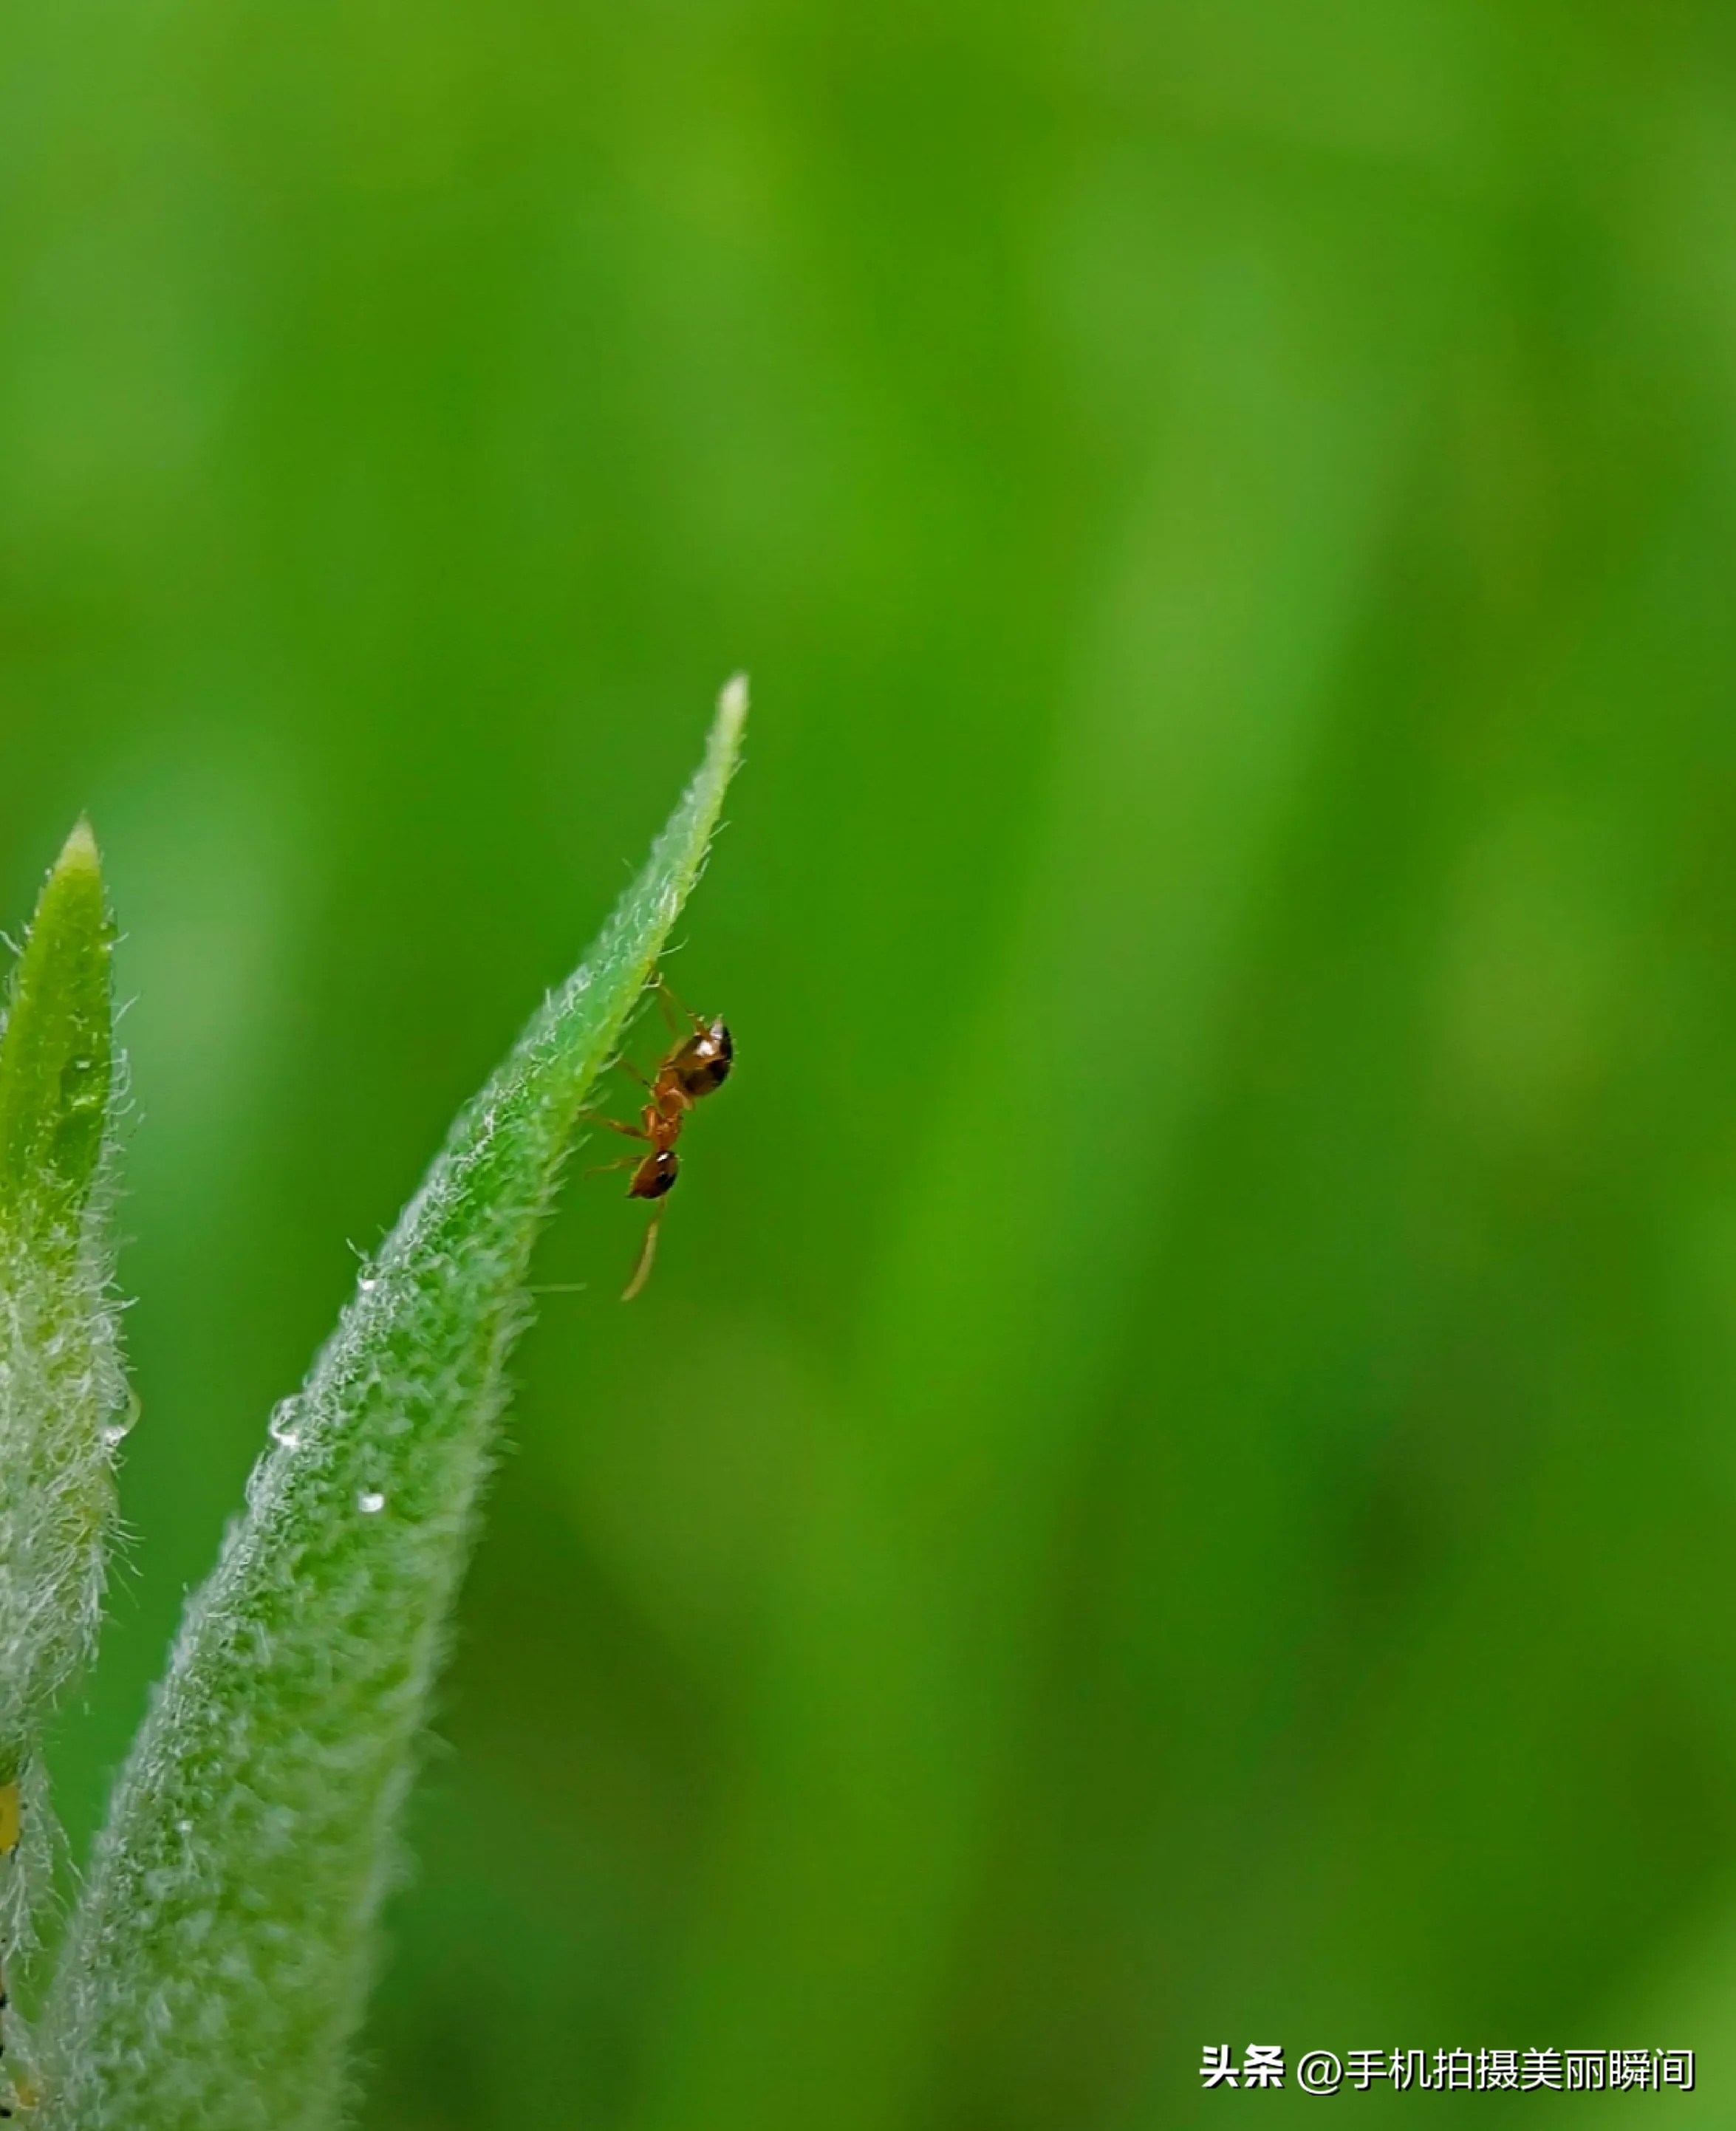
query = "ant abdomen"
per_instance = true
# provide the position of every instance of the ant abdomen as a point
(702, 1063)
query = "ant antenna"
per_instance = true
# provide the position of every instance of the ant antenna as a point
(647, 1253)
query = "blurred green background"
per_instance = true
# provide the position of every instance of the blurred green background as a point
(1177, 1480)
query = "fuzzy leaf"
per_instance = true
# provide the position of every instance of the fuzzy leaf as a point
(60, 1383)
(56, 1058)
(217, 1962)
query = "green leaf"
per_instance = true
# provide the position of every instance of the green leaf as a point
(60, 1383)
(217, 1962)
(57, 1055)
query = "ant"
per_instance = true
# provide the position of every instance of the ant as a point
(696, 1065)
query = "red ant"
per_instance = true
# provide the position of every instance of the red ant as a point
(695, 1065)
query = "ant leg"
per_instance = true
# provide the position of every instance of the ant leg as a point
(647, 1252)
(615, 1124)
(668, 997)
(627, 1161)
(625, 1061)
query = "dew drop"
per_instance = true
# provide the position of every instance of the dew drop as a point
(184, 1827)
(116, 1431)
(283, 1428)
(370, 1504)
(366, 1287)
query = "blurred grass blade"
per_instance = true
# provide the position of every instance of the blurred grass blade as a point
(61, 1382)
(217, 1962)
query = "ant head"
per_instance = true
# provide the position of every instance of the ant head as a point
(655, 1174)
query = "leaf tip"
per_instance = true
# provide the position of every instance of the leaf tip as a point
(56, 1051)
(732, 707)
(79, 854)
